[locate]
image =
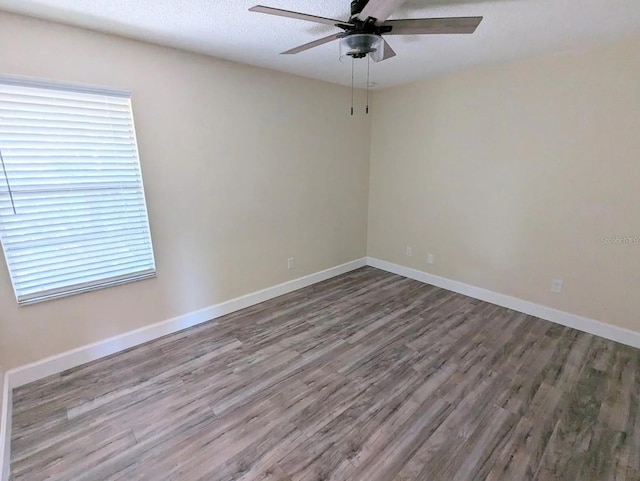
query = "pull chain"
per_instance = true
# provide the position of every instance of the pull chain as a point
(6, 179)
(352, 77)
(368, 68)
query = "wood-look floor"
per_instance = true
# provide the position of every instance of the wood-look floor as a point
(368, 376)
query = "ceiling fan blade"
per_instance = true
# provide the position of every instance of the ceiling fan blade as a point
(300, 16)
(379, 9)
(388, 51)
(433, 26)
(315, 43)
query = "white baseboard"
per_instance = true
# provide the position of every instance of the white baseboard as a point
(76, 357)
(591, 326)
(5, 428)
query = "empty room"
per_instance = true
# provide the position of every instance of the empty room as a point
(370, 240)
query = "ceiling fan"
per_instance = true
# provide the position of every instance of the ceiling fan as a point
(362, 33)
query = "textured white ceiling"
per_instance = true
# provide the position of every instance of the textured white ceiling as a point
(511, 29)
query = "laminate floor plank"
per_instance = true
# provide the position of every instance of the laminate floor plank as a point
(367, 376)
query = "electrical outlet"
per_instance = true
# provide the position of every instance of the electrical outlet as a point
(556, 285)
(409, 251)
(290, 262)
(430, 259)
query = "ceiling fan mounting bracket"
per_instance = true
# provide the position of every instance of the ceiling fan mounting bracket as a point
(344, 26)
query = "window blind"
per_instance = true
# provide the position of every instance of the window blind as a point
(72, 208)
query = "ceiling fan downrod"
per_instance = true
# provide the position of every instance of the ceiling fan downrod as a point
(357, 6)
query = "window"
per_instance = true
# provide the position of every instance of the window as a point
(73, 216)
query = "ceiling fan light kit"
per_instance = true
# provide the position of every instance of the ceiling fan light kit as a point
(359, 45)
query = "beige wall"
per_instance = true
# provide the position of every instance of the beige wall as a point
(511, 175)
(243, 168)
